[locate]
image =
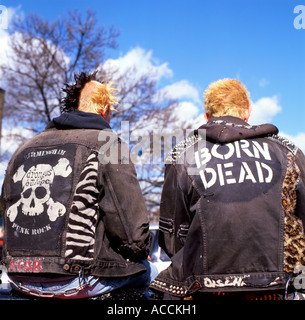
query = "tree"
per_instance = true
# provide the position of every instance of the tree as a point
(44, 55)
(146, 113)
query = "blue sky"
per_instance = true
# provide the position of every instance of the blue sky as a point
(201, 41)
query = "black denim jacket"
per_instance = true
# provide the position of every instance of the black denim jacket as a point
(72, 203)
(232, 210)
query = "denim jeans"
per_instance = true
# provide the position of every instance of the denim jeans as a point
(84, 286)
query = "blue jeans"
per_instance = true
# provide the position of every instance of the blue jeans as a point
(84, 286)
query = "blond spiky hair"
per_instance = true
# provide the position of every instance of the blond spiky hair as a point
(104, 96)
(96, 96)
(227, 97)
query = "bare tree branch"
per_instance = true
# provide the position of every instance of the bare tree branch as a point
(44, 55)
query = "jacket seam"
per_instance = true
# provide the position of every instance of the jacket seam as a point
(118, 207)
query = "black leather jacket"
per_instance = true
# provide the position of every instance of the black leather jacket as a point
(232, 210)
(72, 202)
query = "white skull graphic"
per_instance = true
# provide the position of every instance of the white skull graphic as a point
(36, 190)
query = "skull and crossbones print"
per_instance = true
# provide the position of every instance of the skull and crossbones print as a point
(36, 183)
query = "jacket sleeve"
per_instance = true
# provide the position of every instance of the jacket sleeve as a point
(174, 210)
(300, 208)
(123, 208)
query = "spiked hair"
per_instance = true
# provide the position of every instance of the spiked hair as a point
(71, 100)
(226, 97)
(99, 97)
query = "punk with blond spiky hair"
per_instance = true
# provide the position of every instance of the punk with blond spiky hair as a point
(227, 97)
(89, 95)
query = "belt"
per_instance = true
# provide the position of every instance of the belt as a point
(83, 283)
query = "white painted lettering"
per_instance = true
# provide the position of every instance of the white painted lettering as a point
(259, 172)
(245, 144)
(263, 150)
(202, 158)
(211, 182)
(232, 281)
(226, 156)
(270, 173)
(228, 173)
(237, 149)
(243, 170)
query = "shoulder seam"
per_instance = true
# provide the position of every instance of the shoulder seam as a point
(285, 142)
(181, 147)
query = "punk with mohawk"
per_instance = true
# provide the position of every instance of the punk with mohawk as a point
(88, 203)
(71, 100)
(87, 93)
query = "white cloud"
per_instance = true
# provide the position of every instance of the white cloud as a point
(11, 14)
(264, 110)
(187, 95)
(137, 63)
(9, 144)
(6, 18)
(140, 62)
(181, 89)
(35, 48)
(4, 38)
(185, 111)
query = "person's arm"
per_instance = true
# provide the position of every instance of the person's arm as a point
(174, 210)
(124, 209)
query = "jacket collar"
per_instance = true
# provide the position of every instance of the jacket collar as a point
(79, 120)
(228, 129)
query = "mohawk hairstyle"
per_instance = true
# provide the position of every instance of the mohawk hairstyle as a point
(71, 100)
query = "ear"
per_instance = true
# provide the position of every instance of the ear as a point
(247, 113)
(206, 116)
(105, 113)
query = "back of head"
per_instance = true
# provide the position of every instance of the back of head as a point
(96, 96)
(88, 94)
(227, 97)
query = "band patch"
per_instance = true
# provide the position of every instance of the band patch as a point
(41, 185)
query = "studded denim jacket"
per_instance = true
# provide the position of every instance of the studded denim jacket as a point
(232, 210)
